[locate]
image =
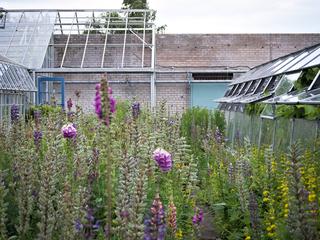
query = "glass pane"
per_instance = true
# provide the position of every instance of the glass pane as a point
(283, 64)
(314, 62)
(294, 61)
(286, 83)
(26, 37)
(306, 60)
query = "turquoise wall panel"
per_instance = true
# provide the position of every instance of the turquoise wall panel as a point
(204, 94)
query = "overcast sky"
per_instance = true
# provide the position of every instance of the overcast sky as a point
(210, 16)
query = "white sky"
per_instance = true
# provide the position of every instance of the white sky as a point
(210, 16)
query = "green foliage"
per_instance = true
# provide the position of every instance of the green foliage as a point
(298, 111)
(306, 78)
(46, 110)
(254, 108)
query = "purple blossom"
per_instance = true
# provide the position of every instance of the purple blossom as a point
(155, 228)
(218, 136)
(69, 131)
(163, 159)
(37, 136)
(135, 110)
(98, 102)
(69, 104)
(15, 113)
(78, 225)
(197, 217)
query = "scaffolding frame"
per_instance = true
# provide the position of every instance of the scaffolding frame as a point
(88, 22)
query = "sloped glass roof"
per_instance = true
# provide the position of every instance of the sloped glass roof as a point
(25, 36)
(293, 62)
(15, 77)
(274, 82)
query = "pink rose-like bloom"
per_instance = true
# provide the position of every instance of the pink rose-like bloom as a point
(69, 131)
(163, 159)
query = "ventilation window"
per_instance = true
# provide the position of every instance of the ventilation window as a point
(213, 76)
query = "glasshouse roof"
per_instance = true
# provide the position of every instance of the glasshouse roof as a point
(14, 77)
(291, 79)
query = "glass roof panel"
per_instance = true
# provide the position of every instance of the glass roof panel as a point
(314, 62)
(305, 60)
(293, 62)
(26, 37)
(283, 64)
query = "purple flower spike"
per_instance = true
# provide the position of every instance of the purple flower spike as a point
(69, 131)
(135, 110)
(37, 136)
(69, 104)
(98, 103)
(15, 113)
(112, 104)
(218, 136)
(197, 217)
(78, 225)
(163, 159)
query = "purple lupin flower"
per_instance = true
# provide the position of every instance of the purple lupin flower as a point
(135, 110)
(163, 159)
(78, 225)
(197, 217)
(37, 136)
(69, 104)
(69, 131)
(155, 228)
(218, 136)
(15, 113)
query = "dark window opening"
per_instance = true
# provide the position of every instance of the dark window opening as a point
(231, 91)
(263, 83)
(245, 88)
(252, 87)
(273, 83)
(213, 76)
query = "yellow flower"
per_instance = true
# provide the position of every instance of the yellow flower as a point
(179, 234)
(312, 197)
(270, 234)
(247, 238)
(265, 193)
(265, 199)
(286, 205)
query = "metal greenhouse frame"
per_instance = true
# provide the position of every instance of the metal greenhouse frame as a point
(16, 87)
(28, 39)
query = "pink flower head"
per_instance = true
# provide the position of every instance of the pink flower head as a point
(163, 159)
(69, 131)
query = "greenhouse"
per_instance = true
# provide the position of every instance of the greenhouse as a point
(110, 129)
(16, 87)
(276, 101)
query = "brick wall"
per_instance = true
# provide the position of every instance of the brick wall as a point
(187, 52)
(227, 50)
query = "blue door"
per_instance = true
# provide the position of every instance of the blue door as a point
(205, 94)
